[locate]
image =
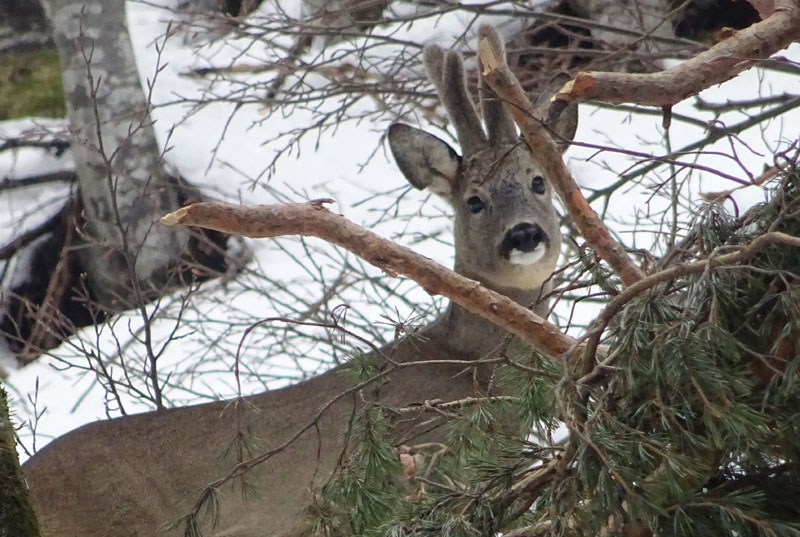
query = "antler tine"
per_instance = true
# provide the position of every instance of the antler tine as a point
(446, 71)
(499, 123)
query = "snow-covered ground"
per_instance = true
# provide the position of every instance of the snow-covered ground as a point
(342, 164)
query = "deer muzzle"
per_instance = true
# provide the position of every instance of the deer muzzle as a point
(524, 244)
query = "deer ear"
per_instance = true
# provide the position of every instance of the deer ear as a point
(425, 160)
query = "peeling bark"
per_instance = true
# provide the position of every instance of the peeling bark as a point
(740, 51)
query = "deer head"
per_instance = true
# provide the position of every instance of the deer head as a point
(505, 225)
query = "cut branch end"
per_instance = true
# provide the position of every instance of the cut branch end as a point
(175, 217)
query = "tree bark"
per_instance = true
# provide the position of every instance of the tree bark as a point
(17, 518)
(313, 220)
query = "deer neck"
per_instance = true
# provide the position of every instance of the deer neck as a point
(472, 336)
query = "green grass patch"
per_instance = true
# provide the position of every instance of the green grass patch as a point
(30, 85)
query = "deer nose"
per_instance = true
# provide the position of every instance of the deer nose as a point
(524, 237)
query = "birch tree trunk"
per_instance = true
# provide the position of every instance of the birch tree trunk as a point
(122, 182)
(105, 252)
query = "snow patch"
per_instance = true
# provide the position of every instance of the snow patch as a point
(8, 362)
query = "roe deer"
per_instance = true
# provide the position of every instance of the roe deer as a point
(129, 476)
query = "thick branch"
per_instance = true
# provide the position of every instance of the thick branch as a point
(721, 62)
(311, 219)
(499, 76)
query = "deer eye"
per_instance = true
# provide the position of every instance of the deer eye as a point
(537, 184)
(475, 204)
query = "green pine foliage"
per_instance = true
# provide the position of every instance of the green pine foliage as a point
(691, 428)
(17, 517)
(364, 493)
(696, 426)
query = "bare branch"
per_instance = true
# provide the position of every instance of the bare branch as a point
(721, 62)
(311, 219)
(55, 177)
(58, 145)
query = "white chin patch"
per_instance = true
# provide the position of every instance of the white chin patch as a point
(518, 257)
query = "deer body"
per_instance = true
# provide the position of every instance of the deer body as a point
(129, 476)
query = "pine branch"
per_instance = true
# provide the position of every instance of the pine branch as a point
(669, 274)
